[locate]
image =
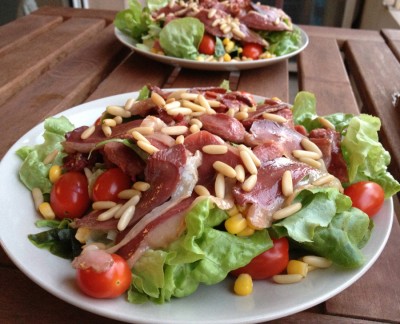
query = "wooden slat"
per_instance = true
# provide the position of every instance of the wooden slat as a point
(66, 85)
(107, 15)
(329, 82)
(134, 73)
(188, 78)
(342, 34)
(41, 53)
(392, 37)
(272, 81)
(376, 295)
(24, 29)
(315, 318)
(376, 72)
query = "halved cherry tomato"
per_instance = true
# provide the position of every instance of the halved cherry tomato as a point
(69, 197)
(207, 45)
(268, 263)
(252, 50)
(109, 184)
(109, 284)
(367, 196)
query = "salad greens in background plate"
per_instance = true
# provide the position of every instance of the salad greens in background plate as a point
(194, 39)
(268, 301)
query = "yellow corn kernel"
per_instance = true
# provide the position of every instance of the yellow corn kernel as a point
(229, 47)
(235, 224)
(82, 234)
(46, 211)
(227, 57)
(225, 41)
(248, 231)
(243, 285)
(55, 173)
(233, 211)
(297, 267)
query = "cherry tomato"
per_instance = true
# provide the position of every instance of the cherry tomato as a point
(268, 263)
(367, 196)
(69, 197)
(109, 284)
(207, 45)
(252, 50)
(109, 184)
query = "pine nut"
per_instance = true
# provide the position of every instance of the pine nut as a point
(311, 162)
(139, 137)
(274, 117)
(144, 130)
(110, 213)
(317, 261)
(240, 173)
(224, 169)
(126, 218)
(326, 123)
(219, 186)
(180, 139)
(310, 146)
(241, 115)
(323, 180)
(179, 111)
(157, 99)
(194, 129)
(131, 202)
(254, 157)
(286, 211)
(172, 104)
(249, 183)
(118, 111)
(189, 96)
(109, 122)
(128, 193)
(248, 161)
(305, 154)
(106, 130)
(129, 103)
(211, 13)
(141, 186)
(287, 278)
(213, 103)
(147, 147)
(174, 130)
(215, 149)
(88, 132)
(203, 102)
(201, 190)
(287, 183)
(237, 32)
(118, 120)
(37, 196)
(98, 205)
(50, 157)
(192, 106)
(195, 121)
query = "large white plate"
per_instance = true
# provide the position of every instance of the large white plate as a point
(210, 304)
(215, 66)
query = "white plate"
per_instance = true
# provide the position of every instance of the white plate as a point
(210, 304)
(215, 66)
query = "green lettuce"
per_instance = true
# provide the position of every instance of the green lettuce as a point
(33, 172)
(202, 255)
(282, 43)
(365, 156)
(181, 37)
(328, 226)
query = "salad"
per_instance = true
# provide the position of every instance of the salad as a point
(210, 30)
(182, 188)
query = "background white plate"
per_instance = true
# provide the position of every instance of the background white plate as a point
(210, 304)
(216, 66)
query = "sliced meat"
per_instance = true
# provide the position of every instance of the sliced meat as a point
(267, 18)
(228, 128)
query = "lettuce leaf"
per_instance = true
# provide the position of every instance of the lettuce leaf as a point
(33, 172)
(181, 37)
(328, 226)
(283, 42)
(365, 156)
(202, 255)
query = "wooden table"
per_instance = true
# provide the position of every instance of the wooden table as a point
(56, 58)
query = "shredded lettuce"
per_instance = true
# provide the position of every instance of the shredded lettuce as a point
(33, 172)
(365, 156)
(328, 226)
(203, 255)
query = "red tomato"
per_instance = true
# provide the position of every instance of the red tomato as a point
(268, 263)
(109, 284)
(252, 50)
(367, 196)
(69, 197)
(109, 184)
(207, 45)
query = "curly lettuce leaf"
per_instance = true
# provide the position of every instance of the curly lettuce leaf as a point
(181, 37)
(328, 226)
(203, 255)
(283, 42)
(33, 172)
(365, 156)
